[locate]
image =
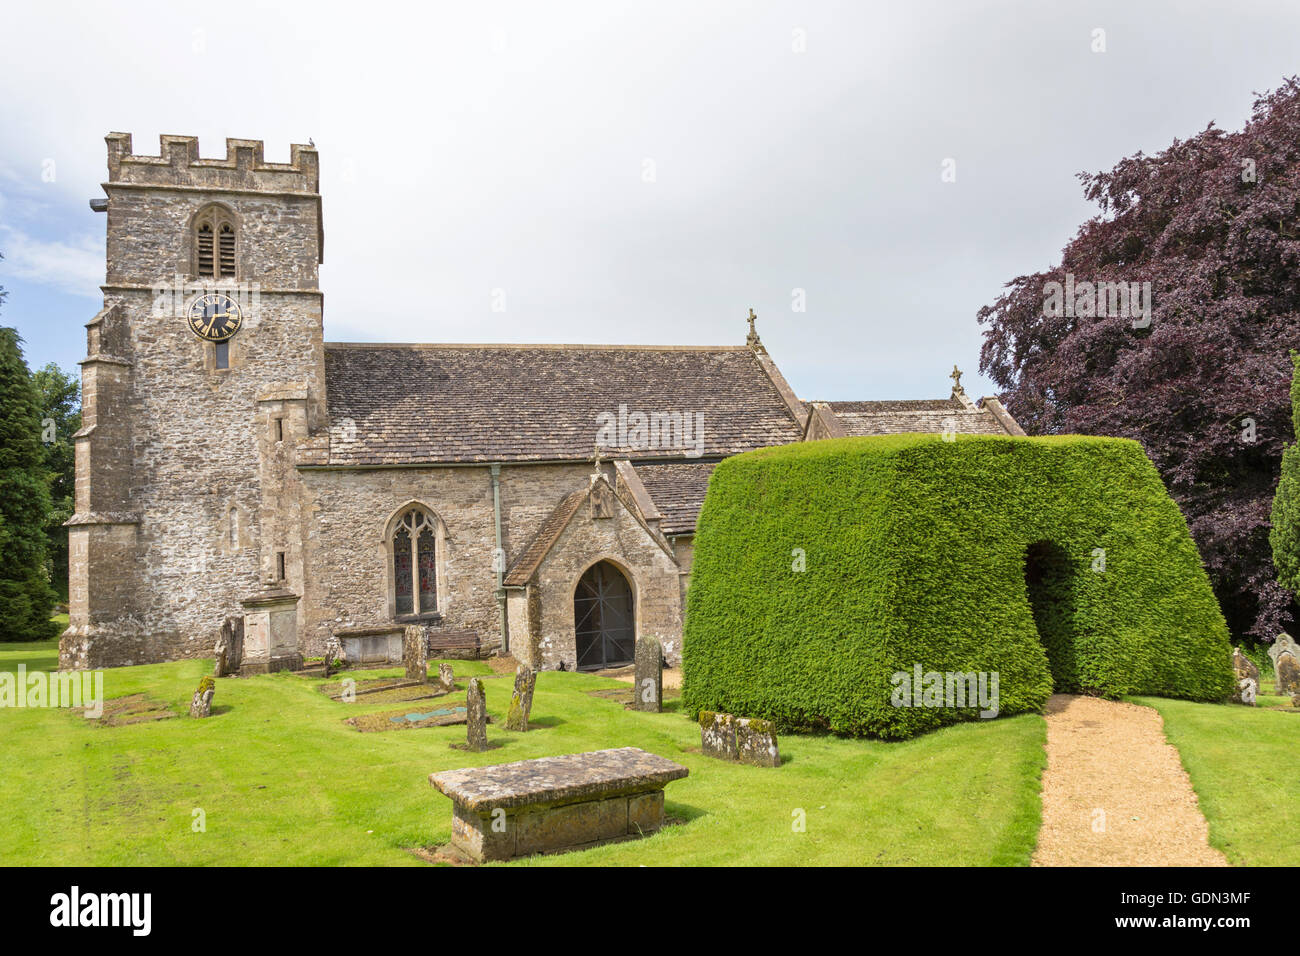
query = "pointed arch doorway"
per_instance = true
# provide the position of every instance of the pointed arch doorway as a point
(604, 618)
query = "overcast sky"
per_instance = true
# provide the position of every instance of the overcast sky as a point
(632, 172)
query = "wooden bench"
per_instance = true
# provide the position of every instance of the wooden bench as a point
(455, 644)
(554, 804)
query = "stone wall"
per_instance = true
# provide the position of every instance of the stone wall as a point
(347, 550)
(649, 567)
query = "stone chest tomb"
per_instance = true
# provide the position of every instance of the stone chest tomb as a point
(554, 804)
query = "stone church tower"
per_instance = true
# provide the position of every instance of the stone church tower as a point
(187, 506)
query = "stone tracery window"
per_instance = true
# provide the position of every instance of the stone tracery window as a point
(214, 243)
(415, 564)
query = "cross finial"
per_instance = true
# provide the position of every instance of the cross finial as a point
(752, 338)
(956, 379)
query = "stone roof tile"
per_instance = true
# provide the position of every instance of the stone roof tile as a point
(418, 404)
(677, 489)
(523, 567)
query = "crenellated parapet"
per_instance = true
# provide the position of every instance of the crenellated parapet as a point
(178, 164)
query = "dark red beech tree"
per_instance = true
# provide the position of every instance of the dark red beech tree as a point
(1202, 380)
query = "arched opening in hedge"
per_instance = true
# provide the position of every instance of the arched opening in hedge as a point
(1050, 590)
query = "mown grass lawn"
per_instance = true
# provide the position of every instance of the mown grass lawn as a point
(1244, 763)
(282, 780)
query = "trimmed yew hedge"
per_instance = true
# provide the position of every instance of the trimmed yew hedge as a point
(1284, 533)
(915, 552)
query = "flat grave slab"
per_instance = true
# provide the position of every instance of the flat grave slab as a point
(386, 690)
(133, 709)
(426, 716)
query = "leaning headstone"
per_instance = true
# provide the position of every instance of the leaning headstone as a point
(649, 680)
(201, 704)
(235, 654)
(475, 717)
(1287, 670)
(446, 677)
(221, 656)
(413, 653)
(756, 742)
(718, 735)
(229, 652)
(1283, 643)
(521, 701)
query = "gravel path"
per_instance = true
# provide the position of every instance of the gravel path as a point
(1115, 792)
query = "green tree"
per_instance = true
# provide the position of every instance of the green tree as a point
(61, 418)
(1284, 536)
(26, 598)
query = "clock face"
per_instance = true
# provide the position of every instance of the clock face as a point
(215, 317)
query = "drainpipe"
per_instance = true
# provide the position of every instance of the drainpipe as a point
(498, 557)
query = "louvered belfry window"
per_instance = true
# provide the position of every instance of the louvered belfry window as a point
(214, 244)
(205, 249)
(226, 246)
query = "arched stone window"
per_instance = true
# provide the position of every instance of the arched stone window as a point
(214, 243)
(414, 544)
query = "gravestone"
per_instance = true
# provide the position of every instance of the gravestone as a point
(718, 735)
(521, 700)
(446, 677)
(756, 742)
(221, 656)
(1243, 666)
(475, 717)
(1247, 677)
(649, 679)
(413, 653)
(1283, 642)
(744, 739)
(201, 703)
(334, 656)
(1288, 674)
(229, 652)
(1247, 690)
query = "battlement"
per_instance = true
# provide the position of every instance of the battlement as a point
(178, 165)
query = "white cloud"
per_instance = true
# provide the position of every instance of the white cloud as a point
(76, 266)
(470, 147)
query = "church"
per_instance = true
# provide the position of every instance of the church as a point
(532, 500)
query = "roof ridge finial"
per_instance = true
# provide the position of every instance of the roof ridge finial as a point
(956, 381)
(752, 339)
(597, 462)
